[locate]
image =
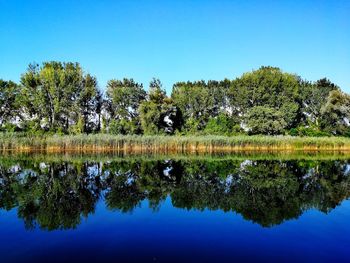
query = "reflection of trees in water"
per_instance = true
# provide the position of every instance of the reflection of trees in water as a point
(54, 195)
(57, 195)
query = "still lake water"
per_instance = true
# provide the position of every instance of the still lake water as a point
(202, 209)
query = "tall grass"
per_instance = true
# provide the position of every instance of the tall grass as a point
(167, 144)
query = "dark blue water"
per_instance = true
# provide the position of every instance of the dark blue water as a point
(174, 211)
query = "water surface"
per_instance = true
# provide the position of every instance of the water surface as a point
(174, 209)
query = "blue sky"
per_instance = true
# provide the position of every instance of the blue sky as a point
(178, 40)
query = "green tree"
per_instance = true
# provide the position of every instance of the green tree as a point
(60, 97)
(90, 99)
(160, 118)
(314, 96)
(265, 120)
(123, 98)
(158, 114)
(335, 113)
(156, 93)
(197, 100)
(9, 102)
(56, 94)
(150, 115)
(270, 88)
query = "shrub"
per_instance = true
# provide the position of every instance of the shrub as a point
(191, 126)
(122, 127)
(307, 132)
(221, 125)
(9, 127)
(78, 128)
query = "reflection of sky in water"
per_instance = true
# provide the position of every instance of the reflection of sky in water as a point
(180, 235)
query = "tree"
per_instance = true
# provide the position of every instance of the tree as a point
(33, 106)
(90, 104)
(313, 97)
(265, 120)
(52, 94)
(156, 92)
(150, 115)
(335, 114)
(123, 98)
(160, 118)
(59, 97)
(9, 101)
(98, 108)
(269, 88)
(158, 115)
(199, 100)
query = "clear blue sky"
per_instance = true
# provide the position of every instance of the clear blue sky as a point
(178, 40)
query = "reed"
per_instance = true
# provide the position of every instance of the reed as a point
(167, 144)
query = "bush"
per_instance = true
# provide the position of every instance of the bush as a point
(78, 128)
(307, 132)
(31, 127)
(191, 126)
(221, 125)
(9, 127)
(122, 127)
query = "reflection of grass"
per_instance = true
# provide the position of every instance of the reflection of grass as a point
(239, 156)
(168, 144)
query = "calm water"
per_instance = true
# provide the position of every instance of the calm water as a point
(176, 210)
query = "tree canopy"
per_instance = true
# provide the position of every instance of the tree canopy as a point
(61, 98)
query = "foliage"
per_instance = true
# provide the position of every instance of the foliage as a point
(313, 97)
(57, 94)
(156, 92)
(191, 126)
(200, 100)
(158, 114)
(124, 97)
(60, 98)
(307, 132)
(222, 124)
(123, 126)
(265, 120)
(9, 104)
(89, 104)
(275, 92)
(78, 128)
(335, 114)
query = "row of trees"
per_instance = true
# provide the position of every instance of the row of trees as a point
(61, 98)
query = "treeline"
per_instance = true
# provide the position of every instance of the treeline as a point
(61, 98)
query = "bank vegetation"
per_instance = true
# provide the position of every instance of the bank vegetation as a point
(167, 144)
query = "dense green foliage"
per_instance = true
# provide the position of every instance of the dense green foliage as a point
(122, 101)
(60, 98)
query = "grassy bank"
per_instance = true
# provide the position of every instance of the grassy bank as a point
(168, 144)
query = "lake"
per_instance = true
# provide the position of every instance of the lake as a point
(76, 208)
